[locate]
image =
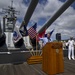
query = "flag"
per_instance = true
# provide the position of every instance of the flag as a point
(42, 34)
(24, 31)
(50, 33)
(32, 31)
(16, 35)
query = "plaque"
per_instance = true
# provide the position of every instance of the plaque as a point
(57, 50)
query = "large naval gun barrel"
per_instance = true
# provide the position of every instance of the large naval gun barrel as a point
(29, 12)
(2, 36)
(56, 15)
(27, 17)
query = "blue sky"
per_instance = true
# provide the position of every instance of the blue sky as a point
(43, 12)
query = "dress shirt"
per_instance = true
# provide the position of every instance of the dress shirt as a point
(45, 40)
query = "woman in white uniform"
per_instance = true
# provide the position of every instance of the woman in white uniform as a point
(70, 45)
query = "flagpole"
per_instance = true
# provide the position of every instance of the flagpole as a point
(33, 34)
(36, 44)
(32, 48)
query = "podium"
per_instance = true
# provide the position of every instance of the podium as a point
(53, 62)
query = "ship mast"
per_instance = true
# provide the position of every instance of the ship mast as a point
(10, 18)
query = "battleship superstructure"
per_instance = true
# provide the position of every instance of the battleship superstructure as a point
(9, 21)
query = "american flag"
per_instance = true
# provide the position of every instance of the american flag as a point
(32, 31)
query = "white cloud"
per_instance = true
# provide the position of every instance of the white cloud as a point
(45, 11)
(64, 24)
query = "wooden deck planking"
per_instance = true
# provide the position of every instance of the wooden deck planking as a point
(36, 69)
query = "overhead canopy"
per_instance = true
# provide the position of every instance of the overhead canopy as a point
(29, 12)
(56, 15)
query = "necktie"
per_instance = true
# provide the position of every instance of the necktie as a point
(49, 40)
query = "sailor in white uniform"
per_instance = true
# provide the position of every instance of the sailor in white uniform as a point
(70, 45)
